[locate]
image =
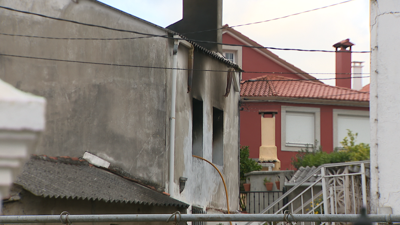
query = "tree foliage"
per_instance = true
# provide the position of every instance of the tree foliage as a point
(349, 152)
(246, 164)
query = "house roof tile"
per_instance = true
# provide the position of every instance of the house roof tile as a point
(280, 86)
(365, 88)
(65, 177)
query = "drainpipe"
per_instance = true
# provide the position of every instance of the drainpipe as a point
(177, 41)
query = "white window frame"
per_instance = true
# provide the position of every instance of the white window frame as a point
(317, 125)
(237, 53)
(233, 56)
(344, 112)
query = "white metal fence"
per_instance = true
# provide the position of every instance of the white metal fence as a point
(340, 188)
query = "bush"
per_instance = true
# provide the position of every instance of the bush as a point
(308, 158)
(247, 165)
(357, 152)
(350, 152)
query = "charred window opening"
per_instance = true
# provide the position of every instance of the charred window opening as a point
(197, 128)
(218, 137)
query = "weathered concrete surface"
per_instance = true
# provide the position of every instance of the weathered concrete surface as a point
(204, 186)
(115, 112)
(204, 15)
(121, 113)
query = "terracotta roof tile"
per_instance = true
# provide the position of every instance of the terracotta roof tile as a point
(280, 86)
(365, 88)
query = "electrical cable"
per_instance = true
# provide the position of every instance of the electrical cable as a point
(80, 23)
(170, 68)
(68, 38)
(269, 20)
(194, 40)
(147, 35)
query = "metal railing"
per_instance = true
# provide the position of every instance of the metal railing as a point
(254, 201)
(112, 218)
(341, 188)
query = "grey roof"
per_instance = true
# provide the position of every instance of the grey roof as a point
(54, 178)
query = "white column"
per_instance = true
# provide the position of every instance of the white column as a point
(22, 118)
(385, 104)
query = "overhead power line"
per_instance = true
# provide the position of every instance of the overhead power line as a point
(294, 14)
(147, 35)
(72, 38)
(198, 41)
(165, 68)
(80, 23)
(269, 20)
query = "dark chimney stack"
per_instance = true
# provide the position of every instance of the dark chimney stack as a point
(204, 16)
(343, 63)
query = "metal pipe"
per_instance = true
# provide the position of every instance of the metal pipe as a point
(194, 217)
(172, 119)
(177, 41)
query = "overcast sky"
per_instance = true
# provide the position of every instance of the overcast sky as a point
(313, 30)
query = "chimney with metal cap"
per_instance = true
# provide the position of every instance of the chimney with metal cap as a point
(202, 21)
(343, 63)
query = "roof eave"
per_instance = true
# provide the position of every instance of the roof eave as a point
(305, 101)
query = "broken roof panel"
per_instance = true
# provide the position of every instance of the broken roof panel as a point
(77, 179)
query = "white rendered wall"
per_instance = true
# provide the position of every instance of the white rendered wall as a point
(385, 105)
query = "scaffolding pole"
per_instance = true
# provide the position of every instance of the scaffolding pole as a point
(68, 219)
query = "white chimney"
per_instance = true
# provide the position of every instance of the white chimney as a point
(357, 74)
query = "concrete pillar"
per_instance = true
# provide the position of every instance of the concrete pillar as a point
(22, 119)
(385, 105)
(268, 150)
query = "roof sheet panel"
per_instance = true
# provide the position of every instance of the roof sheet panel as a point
(81, 181)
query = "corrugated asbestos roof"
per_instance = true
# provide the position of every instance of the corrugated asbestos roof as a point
(279, 86)
(76, 179)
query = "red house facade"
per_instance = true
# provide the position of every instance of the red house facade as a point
(286, 109)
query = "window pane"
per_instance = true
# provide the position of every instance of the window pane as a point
(300, 128)
(230, 56)
(357, 124)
